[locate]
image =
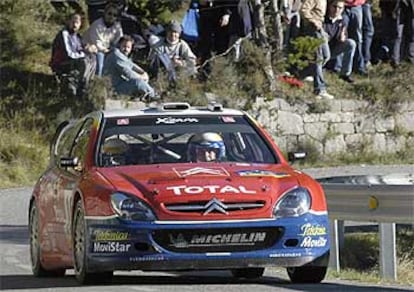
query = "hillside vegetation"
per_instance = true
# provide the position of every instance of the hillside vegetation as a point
(31, 105)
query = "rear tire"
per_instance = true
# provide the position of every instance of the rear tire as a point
(79, 251)
(307, 274)
(248, 273)
(35, 250)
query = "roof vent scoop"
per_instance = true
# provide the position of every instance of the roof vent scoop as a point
(174, 106)
(215, 106)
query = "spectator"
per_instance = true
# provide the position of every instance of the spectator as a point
(71, 58)
(173, 53)
(385, 31)
(127, 77)
(222, 22)
(313, 15)
(104, 33)
(404, 15)
(96, 8)
(353, 17)
(291, 17)
(339, 43)
(367, 32)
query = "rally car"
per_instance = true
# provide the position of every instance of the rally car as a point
(171, 188)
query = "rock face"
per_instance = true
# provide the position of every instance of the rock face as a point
(343, 126)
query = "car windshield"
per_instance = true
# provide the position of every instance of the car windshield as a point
(181, 139)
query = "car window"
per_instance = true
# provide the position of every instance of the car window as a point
(66, 139)
(148, 140)
(81, 142)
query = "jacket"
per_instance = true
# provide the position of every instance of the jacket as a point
(313, 12)
(102, 36)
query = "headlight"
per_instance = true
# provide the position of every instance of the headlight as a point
(131, 208)
(293, 203)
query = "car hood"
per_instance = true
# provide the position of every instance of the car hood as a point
(168, 188)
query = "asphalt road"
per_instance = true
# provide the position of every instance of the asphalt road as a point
(15, 272)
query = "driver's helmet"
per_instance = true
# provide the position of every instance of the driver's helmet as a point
(115, 151)
(206, 147)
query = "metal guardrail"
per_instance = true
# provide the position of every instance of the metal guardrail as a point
(384, 199)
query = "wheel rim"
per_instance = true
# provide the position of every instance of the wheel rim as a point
(79, 239)
(34, 237)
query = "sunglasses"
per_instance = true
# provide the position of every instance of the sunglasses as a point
(339, 7)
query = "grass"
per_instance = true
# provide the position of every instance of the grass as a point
(359, 258)
(23, 156)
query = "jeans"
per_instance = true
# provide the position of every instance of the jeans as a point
(353, 17)
(323, 55)
(367, 31)
(134, 86)
(100, 58)
(346, 50)
(405, 22)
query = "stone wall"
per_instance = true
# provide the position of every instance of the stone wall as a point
(337, 126)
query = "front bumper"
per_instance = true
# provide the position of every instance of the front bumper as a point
(175, 246)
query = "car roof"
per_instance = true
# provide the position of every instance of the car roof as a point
(173, 108)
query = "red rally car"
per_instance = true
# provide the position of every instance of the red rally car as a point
(171, 188)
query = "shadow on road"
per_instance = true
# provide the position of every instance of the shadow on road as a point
(29, 282)
(16, 234)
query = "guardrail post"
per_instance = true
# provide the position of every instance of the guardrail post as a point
(341, 233)
(334, 250)
(388, 256)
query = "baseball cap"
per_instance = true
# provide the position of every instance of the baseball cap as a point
(174, 26)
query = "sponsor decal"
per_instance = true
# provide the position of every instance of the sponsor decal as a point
(149, 258)
(217, 239)
(309, 229)
(228, 119)
(308, 241)
(105, 235)
(213, 189)
(286, 255)
(122, 122)
(200, 171)
(258, 172)
(173, 120)
(111, 246)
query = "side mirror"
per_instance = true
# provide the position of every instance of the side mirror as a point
(69, 161)
(293, 156)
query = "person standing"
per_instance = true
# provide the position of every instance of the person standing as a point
(404, 15)
(222, 22)
(291, 18)
(104, 33)
(127, 77)
(313, 15)
(353, 17)
(367, 32)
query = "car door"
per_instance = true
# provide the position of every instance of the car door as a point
(67, 185)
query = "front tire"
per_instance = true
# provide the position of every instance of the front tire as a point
(80, 248)
(248, 273)
(307, 274)
(35, 250)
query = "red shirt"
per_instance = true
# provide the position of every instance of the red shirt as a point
(354, 3)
